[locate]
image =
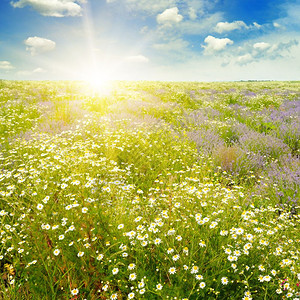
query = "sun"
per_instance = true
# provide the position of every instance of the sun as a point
(99, 83)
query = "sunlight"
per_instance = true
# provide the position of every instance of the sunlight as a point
(99, 83)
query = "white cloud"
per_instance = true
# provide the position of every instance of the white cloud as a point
(39, 70)
(36, 45)
(225, 26)
(150, 7)
(261, 46)
(173, 45)
(169, 16)
(256, 25)
(52, 8)
(204, 25)
(137, 59)
(192, 13)
(215, 44)
(266, 51)
(244, 59)
(6, 65)
(276, 25)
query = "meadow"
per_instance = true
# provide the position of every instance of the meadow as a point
(149, 190)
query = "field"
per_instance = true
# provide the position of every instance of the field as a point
(149, 190)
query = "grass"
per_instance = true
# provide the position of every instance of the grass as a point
(152, 191)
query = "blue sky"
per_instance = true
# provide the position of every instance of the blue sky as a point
(181, 40)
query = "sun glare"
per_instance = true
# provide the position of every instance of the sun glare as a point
(99, 83)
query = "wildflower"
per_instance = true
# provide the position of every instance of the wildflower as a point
(185, 267)
(131, 266)
(120, 226)
(227, 251)
(247, 246)
(178, 238)
(61, 237)
(100, 257)
(84, 210)
(47, 227)
(74, 292)
(132, 276)
(261, 278)
(71, 228)
(232, 258)
(172, 270)
(199, 277)
(114, 296)
(289, 295)
(56, 252)
(202, 244)
(194, 270)
(223, 232)
(261, 268)
(213, 224)
(176, 257)
(202, 285)
(267, 278)
(170, 250)
(171, 231)
(80, 254)
(186, 250)
(224, 280)
(131, 295)
(115, 271)
(159, 286)
(40, 206)
(157, 241)
(63, 185)
(142, 291)
(137, 219)
(239, 231)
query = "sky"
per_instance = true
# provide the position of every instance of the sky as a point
(170, 40)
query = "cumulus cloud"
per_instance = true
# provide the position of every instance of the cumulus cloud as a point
(6, 65)
(264, 51)
(52, 8)
(169, 16)
(137, 59)
(36, 45)
(226, 26)
(215, 44)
